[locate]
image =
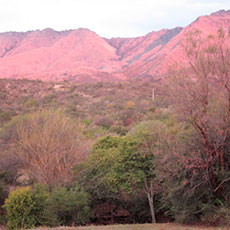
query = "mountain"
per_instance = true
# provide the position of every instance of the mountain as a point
(82, 55)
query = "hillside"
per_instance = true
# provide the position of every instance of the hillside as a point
(82, 55)
(103, 107)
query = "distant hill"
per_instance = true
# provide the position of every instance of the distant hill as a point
(82, 55)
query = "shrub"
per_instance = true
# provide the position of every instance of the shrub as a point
(219, 216)
(69, 206)
(5, 116)
(130, 105)
(31, 102)
(48, 99)
(24, 208)
(86, 122)
(104, 122)
(122, 131)
(29, 208)
(3, 195)
(3, 188)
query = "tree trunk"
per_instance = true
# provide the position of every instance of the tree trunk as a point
(151, 206)
(222, 161)
(149, 192)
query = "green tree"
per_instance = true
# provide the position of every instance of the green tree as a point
(92, 174)
(125, 164)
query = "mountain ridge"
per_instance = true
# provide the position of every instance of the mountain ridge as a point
(82, 55)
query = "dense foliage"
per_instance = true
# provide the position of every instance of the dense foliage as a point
(24, 208)
(68, 206)
(28, 208)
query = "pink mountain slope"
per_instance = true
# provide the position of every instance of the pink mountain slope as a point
(154, 58)
(83, 55)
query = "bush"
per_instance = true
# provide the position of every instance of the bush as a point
(122, 131)
(3, 195)
(3, 188)
(5, 116)
(104, 122)
(219, 216)
(69, 206)
(25, 207)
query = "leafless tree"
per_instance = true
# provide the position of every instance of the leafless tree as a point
(199, 91)
(49, 145)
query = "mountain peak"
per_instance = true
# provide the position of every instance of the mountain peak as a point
(83, 32)
(221, 13)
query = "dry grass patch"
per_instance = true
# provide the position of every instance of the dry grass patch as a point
(141, 227)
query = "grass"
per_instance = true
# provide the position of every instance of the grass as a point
(168, 226)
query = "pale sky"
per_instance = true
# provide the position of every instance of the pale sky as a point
(108, 18)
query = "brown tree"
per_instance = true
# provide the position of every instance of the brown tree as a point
(49, 144)
(199, 91)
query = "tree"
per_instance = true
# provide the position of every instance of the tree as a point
(92, 174)
(132, 172)
(199, 92)
(126, 164)
(49, 144)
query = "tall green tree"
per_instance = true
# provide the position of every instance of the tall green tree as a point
(126, 164)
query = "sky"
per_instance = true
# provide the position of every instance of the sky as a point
(108, 18)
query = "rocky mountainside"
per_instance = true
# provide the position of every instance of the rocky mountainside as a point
(82, 55)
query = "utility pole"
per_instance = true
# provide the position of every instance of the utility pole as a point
(153, 95)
